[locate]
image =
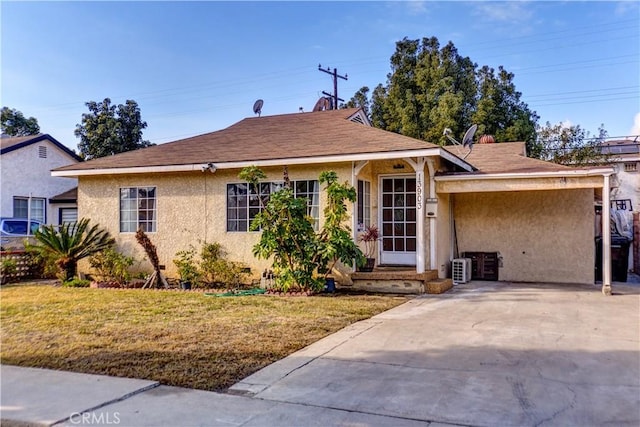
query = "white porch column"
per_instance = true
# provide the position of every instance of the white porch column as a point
(606, 237)
(433, 261)
(418, 167)
(356, 167)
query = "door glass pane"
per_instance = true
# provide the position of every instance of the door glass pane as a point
(411, 244)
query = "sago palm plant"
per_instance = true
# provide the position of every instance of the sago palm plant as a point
(71, 243)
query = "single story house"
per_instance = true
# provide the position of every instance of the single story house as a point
(430, 203)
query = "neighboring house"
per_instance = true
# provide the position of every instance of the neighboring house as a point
(430, 204)
(28, 189)
(625, 155)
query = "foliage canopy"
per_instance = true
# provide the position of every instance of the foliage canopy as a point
(109, 129)
(14, 123)
(431, 88)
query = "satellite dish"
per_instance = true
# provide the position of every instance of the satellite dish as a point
(323, 104)
(257, 107)
(468, 136)
(467, 140)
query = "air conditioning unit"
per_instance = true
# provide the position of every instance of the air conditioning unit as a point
(461, 270)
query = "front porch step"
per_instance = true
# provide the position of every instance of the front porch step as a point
(439, 286)
(397, 281)
(387, 273)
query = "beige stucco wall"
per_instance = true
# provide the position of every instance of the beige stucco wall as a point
(191, 208)
(542, 236)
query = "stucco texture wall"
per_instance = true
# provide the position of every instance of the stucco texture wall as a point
(542, 236)
(191, 209)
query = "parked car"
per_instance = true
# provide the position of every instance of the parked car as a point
(13, 232)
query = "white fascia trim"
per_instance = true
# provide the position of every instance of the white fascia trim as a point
(516, 175)
(427, 152)
(141, 169)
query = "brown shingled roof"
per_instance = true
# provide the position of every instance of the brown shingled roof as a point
(505, 157)
(299, 135)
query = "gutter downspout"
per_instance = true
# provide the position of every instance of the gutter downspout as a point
(606, 237)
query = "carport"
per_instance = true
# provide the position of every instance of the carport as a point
(538, 217)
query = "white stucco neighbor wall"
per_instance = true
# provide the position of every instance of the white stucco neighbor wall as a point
(628, 185)
(23, 172)
(542, 236)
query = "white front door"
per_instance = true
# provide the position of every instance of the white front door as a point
(398, 220)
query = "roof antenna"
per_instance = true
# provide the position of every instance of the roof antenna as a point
(257, 107)
(467, 140)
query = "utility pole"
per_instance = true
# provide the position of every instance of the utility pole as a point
(336, 76)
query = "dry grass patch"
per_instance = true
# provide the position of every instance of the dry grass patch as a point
(178, 338)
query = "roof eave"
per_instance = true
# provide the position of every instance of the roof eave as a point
(426, 152)
(518, 175)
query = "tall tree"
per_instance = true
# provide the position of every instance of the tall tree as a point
(109, 129)
(568, 145)
(359, 100)
(431, 88)
(14, 123)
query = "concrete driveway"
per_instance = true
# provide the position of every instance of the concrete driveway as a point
(484, 354)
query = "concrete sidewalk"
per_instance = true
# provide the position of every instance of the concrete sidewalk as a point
(41, 397)
(483, 354)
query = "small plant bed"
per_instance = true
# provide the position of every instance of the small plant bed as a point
(177, 338)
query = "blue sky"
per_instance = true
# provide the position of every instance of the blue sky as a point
(197, 67)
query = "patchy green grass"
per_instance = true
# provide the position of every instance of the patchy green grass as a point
(178, 338)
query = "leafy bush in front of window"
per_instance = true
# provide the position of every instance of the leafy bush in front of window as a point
(289, 238)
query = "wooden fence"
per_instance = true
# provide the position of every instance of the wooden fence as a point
(25, 267)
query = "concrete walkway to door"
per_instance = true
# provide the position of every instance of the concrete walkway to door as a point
(484, 354)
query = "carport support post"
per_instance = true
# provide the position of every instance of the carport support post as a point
(606, 237)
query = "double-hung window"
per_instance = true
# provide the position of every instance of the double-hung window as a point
(21, 208)
(245, 201)
(138, 209)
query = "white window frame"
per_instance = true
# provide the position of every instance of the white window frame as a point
(38, 213)
(138, 211)
(242, 214)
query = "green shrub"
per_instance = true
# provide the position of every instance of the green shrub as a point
(288, 237)
(214, 268)
(76, 283)
(8, 267)
(42, 264)
(112, 266)
(187, 266)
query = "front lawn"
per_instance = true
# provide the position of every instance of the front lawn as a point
(178, 338)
